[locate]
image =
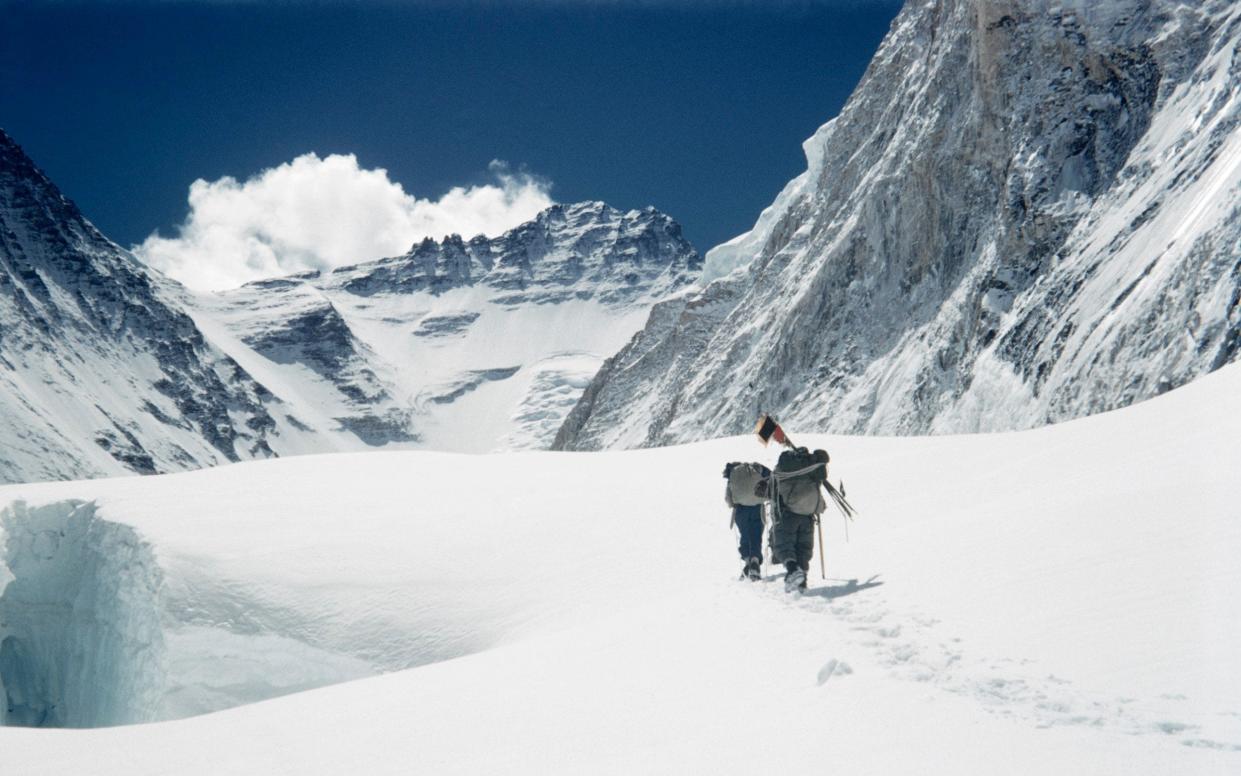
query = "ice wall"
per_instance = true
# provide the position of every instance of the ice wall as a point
(95, 632)
(80, 638)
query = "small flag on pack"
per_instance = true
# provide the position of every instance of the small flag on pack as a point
(768, 429)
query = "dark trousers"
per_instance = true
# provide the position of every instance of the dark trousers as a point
(793, 539)
(749, 521)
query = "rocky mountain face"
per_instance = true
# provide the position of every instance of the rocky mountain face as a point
(107, 367)
(1027, 212)
(467, 345)
(583, 251)
(101, 370)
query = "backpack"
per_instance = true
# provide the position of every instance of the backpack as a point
(743, 482)
(802, 494)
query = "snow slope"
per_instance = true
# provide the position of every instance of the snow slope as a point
(1052, 601)
(463, 346)
(101, 370)
(1026, 212)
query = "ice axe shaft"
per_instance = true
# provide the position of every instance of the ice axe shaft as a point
(822, 553)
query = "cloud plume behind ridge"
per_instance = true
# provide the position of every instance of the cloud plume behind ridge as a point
(322, 213)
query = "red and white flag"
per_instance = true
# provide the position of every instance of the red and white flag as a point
(768, 429)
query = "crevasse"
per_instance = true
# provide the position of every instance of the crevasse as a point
(80, 638)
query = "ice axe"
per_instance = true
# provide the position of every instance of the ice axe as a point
(768, 429)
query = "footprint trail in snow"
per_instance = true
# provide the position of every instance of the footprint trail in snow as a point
(914, 647)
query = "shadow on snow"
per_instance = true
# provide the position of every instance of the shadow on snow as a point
(830, 592)
(849, 587)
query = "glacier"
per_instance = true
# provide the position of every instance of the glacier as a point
(1050, 601)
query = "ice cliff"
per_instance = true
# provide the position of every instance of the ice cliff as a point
(81, 644)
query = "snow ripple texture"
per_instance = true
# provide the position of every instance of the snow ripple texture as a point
(912, 647)
(1027, 212)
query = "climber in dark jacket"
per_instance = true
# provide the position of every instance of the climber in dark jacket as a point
(800, 502)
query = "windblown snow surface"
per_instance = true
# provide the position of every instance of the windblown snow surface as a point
(1054, 601)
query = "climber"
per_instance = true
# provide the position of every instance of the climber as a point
(742, 493)
(797, 503)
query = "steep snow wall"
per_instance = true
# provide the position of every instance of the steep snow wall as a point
(80, 637)
(94, 633)
(1026, 212)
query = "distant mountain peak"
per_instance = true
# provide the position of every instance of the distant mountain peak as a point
(510, 326)
(584, 249)
(132, 373)
(101, 369)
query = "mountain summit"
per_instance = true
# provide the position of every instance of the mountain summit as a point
(585, 250)
(101, 370)
(461, 345)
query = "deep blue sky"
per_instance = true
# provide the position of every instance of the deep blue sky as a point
(697, 108)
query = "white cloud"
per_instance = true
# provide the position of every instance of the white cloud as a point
(315, 213)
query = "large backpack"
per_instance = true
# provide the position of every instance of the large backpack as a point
(801, 494)
(743, 480)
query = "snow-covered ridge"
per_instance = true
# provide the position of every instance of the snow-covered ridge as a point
(107, 367)
(1027, 212)
(583, 250)
(1021, 602)
(101, 369)
(460, 345)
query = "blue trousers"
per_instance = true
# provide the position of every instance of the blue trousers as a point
(749, 521)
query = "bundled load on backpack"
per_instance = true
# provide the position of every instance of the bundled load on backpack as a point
(798, 481)
(745, 483)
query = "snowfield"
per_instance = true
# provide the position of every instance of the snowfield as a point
(1055, 601)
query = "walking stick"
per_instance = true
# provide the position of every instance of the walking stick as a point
(761, 557)
(822, 554)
